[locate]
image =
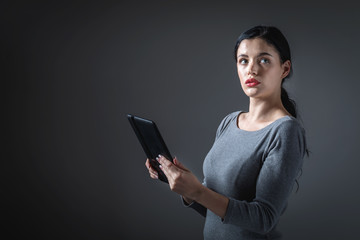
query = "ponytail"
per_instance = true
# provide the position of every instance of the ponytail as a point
(289, 104)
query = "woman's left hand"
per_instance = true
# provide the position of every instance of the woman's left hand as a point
(181, 180)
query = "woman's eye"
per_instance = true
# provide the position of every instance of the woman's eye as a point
(264, 60)
(242, 61)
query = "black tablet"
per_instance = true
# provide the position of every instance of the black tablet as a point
(151, 141)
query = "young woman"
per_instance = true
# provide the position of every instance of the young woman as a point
(253, 164)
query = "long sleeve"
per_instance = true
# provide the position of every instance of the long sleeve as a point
(195, 205)
(275, 181)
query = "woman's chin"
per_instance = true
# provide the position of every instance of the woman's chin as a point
(252, 92)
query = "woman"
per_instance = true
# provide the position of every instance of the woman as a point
(252, 166)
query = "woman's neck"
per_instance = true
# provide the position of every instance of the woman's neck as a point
(268, 110)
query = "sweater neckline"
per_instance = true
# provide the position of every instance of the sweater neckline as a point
(270, 125)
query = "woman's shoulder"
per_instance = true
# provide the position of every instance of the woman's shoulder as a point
(289, 132)
(230, 117)
(288, 122)
(226, 121)
(288, 125)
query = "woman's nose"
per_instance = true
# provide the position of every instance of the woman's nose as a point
(252, 68)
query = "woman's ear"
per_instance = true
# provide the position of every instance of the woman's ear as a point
(286, 69)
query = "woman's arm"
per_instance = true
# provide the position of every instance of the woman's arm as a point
(213, 201)
(274, 183)
(183, 182)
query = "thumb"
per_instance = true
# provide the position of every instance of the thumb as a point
(179, 164)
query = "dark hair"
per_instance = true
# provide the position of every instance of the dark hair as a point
(274, 37)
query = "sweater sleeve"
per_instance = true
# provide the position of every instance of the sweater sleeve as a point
(274, 184)
(196, 206)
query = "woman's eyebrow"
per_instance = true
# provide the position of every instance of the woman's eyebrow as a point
(259, 55)
(264, 54)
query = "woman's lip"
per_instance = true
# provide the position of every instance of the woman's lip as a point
(251, 82)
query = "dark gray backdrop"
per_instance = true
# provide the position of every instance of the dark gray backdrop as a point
(72, 167)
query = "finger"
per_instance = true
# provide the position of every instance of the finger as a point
(152, 171)
(169, 169)
(166, 171)
(154, 176)
(179, 164)
(147, 163)
(163, 161)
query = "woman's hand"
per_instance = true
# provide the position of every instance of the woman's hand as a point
(153, 173)
(181, 180)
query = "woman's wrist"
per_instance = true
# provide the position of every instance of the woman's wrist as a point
(196, 195)
(199, 193)
(211, 200)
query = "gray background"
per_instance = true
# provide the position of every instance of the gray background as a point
(71, 165)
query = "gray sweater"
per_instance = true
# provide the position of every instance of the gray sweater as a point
(256, 170)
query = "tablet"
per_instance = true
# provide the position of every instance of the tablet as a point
(151, 141)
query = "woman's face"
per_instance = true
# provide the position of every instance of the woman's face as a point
(260, 69)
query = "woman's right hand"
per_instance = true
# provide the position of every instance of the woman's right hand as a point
(154, 175)
(152, 171)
